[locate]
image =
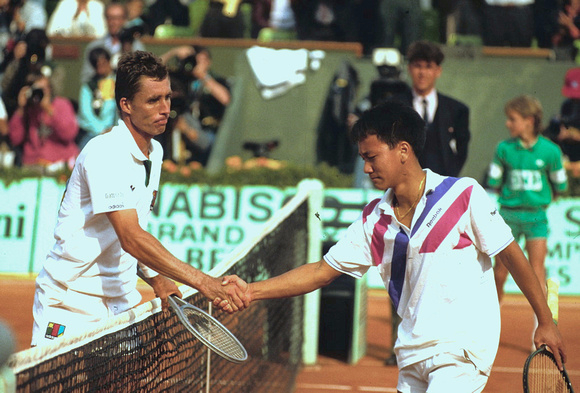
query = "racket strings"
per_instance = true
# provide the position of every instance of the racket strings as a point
(544, 376)
(214, 334)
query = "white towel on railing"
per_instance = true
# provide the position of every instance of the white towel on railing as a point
(277, 70)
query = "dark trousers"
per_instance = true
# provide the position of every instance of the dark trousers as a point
(508, 25)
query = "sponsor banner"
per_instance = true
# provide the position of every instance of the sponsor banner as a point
(201, 224)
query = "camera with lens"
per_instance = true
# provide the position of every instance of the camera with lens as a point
(34, 95)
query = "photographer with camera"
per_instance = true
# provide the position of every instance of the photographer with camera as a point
(200, 99)
(44, 127)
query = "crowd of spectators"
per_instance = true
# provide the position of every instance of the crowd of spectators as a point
(201, 97)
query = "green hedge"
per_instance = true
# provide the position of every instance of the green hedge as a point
(279, 175)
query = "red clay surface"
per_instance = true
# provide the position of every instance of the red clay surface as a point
(369, 374)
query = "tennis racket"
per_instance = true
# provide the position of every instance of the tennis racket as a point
(208, 330)
(541, 373)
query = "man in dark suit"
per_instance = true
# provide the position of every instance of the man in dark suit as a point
(447, 119)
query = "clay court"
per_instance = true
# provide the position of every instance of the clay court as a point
(369, 374)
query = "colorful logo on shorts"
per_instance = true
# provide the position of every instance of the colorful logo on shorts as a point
(54, 330)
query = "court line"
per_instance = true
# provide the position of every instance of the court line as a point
(345, 388)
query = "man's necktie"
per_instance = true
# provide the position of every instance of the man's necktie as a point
(425, 113)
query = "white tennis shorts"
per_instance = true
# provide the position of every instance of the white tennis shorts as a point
(442, 373)
(61, 312)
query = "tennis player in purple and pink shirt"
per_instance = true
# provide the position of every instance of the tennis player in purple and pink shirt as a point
(432, 239)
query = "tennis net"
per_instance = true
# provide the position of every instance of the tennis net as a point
(149, 350)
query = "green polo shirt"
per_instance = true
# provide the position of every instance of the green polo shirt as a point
(527, 176)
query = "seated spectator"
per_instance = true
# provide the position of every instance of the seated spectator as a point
(97, 111)
(135, 17)
(223, 20)
(44, 127)
(77, 18)
(206, 95)
(403, 18)
(326, 20)
(508, 23)
(116, 17)
(274, 14)
(174, 12)
(568, 30)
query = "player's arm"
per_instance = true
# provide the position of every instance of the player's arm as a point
(298, 281)
(547, 333)
(149, 251)
(162, 286)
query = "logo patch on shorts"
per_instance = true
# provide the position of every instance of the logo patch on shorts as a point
(54, 330)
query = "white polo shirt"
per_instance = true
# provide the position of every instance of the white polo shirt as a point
(444, 288)
(109, 175)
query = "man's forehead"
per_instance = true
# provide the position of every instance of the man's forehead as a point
(152, 86)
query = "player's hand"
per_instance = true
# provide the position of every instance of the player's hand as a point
(549, 334)
(163, 288)
(232, 296)
(236, 288)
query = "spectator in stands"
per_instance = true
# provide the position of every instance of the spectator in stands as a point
(446, 118)
(28, 15)
(331, 20)
(207, 95)
(116, 17)
(6, 153)
(564, 129)
(135, 16)
(527, 170)
(44, 127)
(18, 18)
(223, 20)
(173, 12)
(274, 14)
(30, 55)
(97, 111)
(546, 21)
(508, 23)
(77, 18)
(568, 30)
(403, 17)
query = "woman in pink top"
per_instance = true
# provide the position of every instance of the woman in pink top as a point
(43, 126)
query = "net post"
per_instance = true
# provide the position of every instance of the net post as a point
(315, 190)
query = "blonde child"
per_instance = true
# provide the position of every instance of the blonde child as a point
(527, 170)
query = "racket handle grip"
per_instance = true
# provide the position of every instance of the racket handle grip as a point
(552, 297)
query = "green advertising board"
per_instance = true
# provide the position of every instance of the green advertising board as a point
(202, 224)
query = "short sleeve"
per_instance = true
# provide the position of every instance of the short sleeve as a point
(110, 182)
(351, 254)
(490, 232)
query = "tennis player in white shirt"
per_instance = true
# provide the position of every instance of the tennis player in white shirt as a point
(101, 241)
(432, 238)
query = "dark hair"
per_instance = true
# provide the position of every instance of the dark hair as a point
(425, 50)
(132, 66)
(96, 53)
(392, 122)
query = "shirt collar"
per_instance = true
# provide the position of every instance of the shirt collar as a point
(127, 138)
(432, 180)
(431, 103)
